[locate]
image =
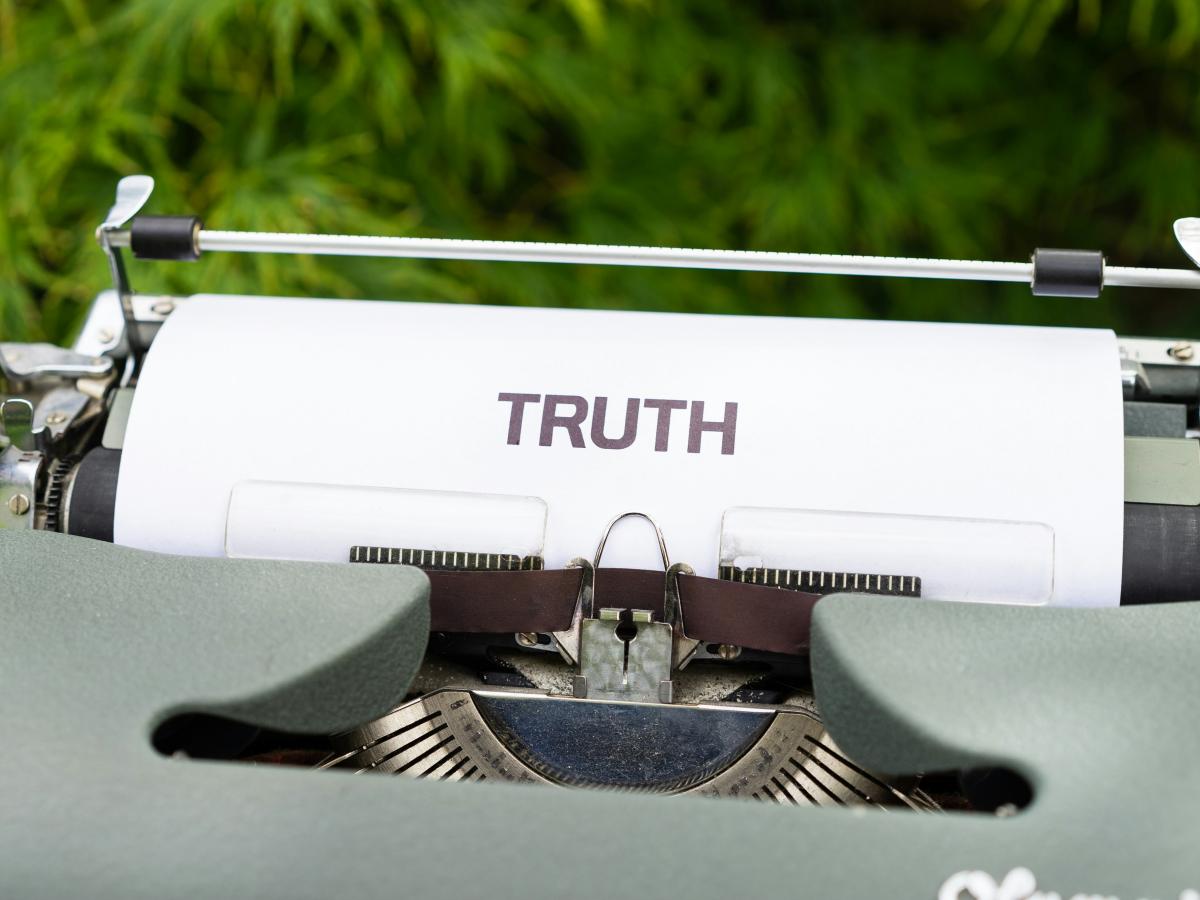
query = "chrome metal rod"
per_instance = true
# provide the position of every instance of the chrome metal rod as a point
(659, 257)
(605, 255)
(1132, 276)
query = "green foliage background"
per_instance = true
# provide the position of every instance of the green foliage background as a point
(960, 128)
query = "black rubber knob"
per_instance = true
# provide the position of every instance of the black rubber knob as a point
(165, 237)
(1067, 273)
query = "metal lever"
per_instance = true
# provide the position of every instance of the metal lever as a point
(29, 362)
(132, 193)
(17, 417)
(1187, 233)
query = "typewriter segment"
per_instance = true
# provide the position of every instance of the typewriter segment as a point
(682, 667)
(775, 754)
(620, 700)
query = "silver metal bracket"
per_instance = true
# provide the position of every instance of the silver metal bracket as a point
(567, 642)
(1159, 351)
(626, 660)
(56, 412)
(19, 470)
(35, 362)
(684, 648)
(29, 427)
(617, 666)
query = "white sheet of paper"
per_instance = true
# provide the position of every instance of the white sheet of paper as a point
(986, 422)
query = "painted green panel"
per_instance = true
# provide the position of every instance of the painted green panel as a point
(1096, 707)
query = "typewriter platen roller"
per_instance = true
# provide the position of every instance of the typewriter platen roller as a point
(620, 582)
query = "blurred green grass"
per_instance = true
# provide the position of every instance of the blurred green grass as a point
(965, 128)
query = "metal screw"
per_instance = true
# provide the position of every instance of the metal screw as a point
(105, 336)
(729, 651)
(527, 638)
(163, 308)
(1183, 351)
(18, 504)
(56, 418)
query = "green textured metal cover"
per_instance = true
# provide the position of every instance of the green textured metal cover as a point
(1162, 470)
(98, 644)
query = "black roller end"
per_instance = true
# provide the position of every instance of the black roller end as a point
(1161, 555)
(93, 495)
(165, 237)
(1067, 273)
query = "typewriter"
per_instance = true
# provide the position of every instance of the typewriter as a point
(349, 598)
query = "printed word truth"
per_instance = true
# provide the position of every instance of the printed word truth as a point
(570, 419)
